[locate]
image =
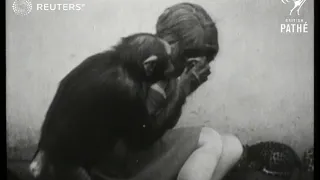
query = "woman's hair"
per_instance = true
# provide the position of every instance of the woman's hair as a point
(185, 26)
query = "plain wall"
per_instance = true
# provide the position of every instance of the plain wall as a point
(261, 86)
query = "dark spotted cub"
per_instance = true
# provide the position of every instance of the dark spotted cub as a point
(271, 158)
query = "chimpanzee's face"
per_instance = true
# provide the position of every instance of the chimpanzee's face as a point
(166, 62)
(159, 66)
(170, 68)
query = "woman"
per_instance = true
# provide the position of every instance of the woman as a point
(195, 153)
(186, 26)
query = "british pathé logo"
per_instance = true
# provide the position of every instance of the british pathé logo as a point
(293, 24)
(297, 4)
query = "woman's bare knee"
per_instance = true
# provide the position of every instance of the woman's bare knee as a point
(211, 140)
(231, 153)
(204, 160)
(232, 146)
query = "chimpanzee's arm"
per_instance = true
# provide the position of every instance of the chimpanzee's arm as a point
(158, 120)
(168, 115)
(169, 112)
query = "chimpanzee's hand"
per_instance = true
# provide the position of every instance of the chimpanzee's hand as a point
(193, 77)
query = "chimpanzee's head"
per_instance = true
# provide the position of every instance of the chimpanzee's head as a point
(150, 53)
(190, 32)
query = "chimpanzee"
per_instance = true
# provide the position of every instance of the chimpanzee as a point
(102, 100)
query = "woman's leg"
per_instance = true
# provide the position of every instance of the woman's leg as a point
(204, 160)
(213, 158)
(231, 152)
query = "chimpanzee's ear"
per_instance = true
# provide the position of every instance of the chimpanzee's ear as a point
(149, 64)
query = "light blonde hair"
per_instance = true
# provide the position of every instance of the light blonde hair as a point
(186, 25)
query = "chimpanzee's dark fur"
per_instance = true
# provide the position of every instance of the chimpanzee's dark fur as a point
(103, 100)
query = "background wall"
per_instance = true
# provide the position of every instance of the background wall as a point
(261, 87)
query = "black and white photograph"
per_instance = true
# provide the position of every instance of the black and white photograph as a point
(160, 89)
